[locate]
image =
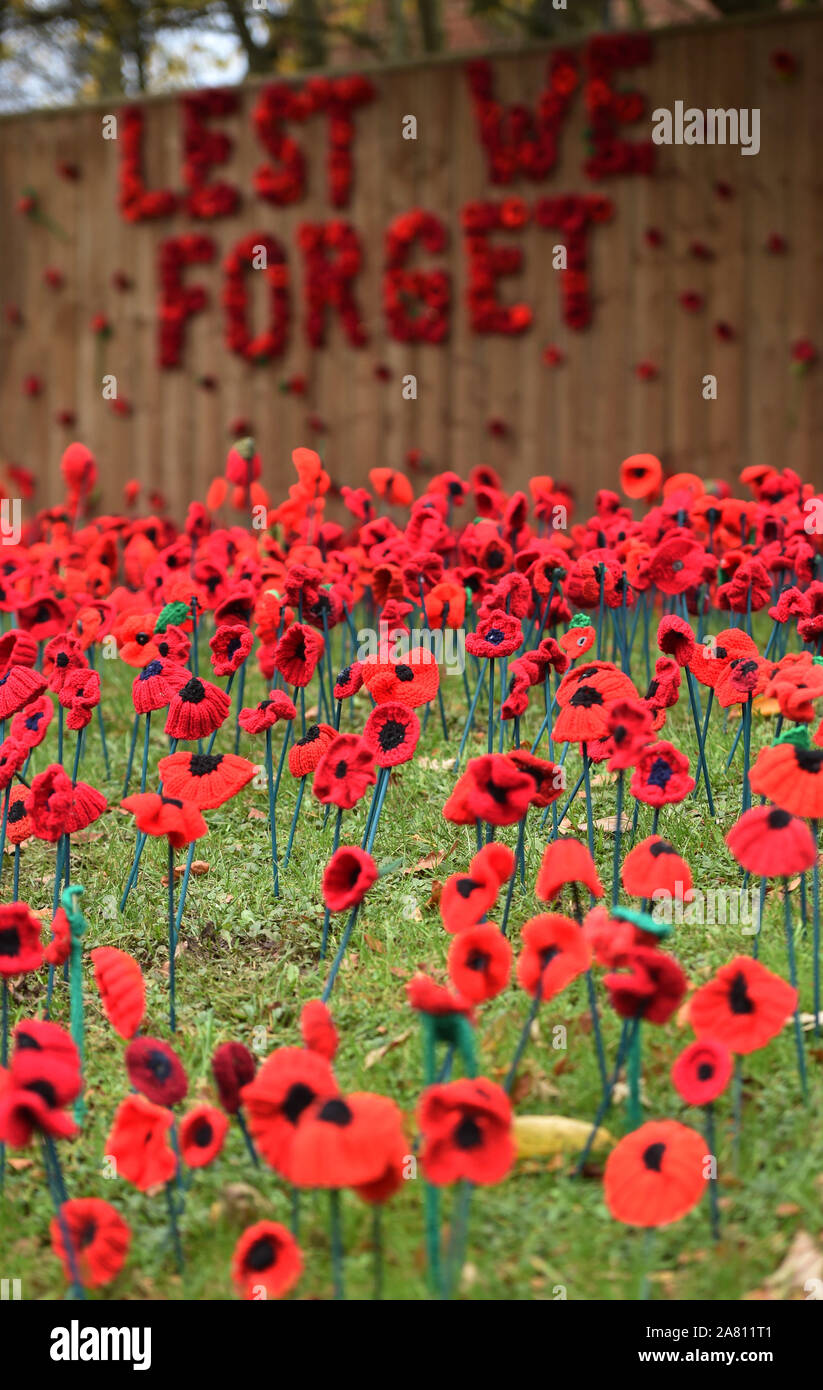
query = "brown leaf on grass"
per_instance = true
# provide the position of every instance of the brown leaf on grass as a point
(609, 824)
(373, 944)
(254, 814)
(433, 899)
(19, 1165)
(378, 1053)
(85, 837)
(430, 861)
(198, 867)
(799, 1274)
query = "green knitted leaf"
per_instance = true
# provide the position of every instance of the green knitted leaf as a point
(798, 734)
(172, 614)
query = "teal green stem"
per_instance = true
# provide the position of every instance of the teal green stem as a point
(172, 940)
(617, 833)
(714, 1206)
(301, 789)
(523, 1040)
(634, 1115)
(174, 1229)
(336, 1237)
(798, 1032)
(247, 1139)
(272, 822)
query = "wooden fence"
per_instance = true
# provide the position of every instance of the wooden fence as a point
(739, 236)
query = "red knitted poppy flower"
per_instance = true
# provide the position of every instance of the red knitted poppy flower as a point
(744, 1005)
(709, 660)
(425, 996)
(547, 777)
(276, 706)
(62, 655)
(654, 866)
(155, 814)
(497, 791)
(18, 825)
(466, 1128)
(20, 946)
(307, 751)
(233, 1067)
(266, 1258)
(661, 777)
(19, 686)
(347, 878)
(138, 1142)
(344, 771)
(317, 1029)
(555, 951)
(675, 638)
(17, 648)
(349, 681)
(30, 724)
(629, 725)
(202, 1134)
(702, 1071)
(480, 959)
(156, 683)
(496, 635)
(412, 681)
(771, 843)
(656, 1174)
(80, 696)
(99, 1240)
(648, 984)
(196, 710)
(58, 950)
(156, 1071)
(566, 861)
(56, 806)
(12, 757)
(230, 646)
(122, 990)
(204, 779)
(276, 1101)
(298, 653)
(391, 733)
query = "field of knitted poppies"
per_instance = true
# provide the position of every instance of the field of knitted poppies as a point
(413, 897)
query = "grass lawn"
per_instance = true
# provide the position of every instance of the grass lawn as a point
(246, 964)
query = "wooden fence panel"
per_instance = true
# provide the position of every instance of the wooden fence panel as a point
(575, 420)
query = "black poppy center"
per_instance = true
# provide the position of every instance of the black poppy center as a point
(203, 1134)
(336, 1112)
(298, 1098)
(468, 1134)
(261, 1255)
(739, 998)
(778, 820)
(202, 764)
(661, 847)
(585, 697)
(809, 759)
(193, 692)
(159, 1065)
(391, 735)
(9, 941)
(404, 673)
(661, 774)
(653, 1157)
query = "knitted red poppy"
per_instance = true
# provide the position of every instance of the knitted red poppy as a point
(675, 638)
(345, 1141)
(13, 755)
(348, 681)
(555, 951)
(498, 792)
(58, 950)
(17, 648)
(156, 684)
(347, 878)
(298, 653)
(204, 779)
(156, 1071)
(276, 706)
(233, 1067)
(306, 752)
(648, 985)
(654, 866)
(498, 634)
(547, 777)
(317, 1029)
(98, 1237)
(790, 775)
(266, 1257)
(196, 710)
(19, 686)
(744, 1005)
(80, 696)
(155, 814)
(202, 1135)
(57, 807)
(771, 843)
(230, 646)
(20, 946)
(62, 655)
(18, 825)
(344, 771)
(479, 962)
(566, 861)
(702, 1071)
(138, 1142)
(466, 1128)
(664, 687)
(42, 617)
(411, 682)
(278, 1098)
(661, 777)
(391, 733)
(122, 990)
(425, 996)
(709, 659)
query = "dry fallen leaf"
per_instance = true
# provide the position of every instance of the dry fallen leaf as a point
(378, 1053)
(430, 861)
(609, 824)
(800, 1272)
